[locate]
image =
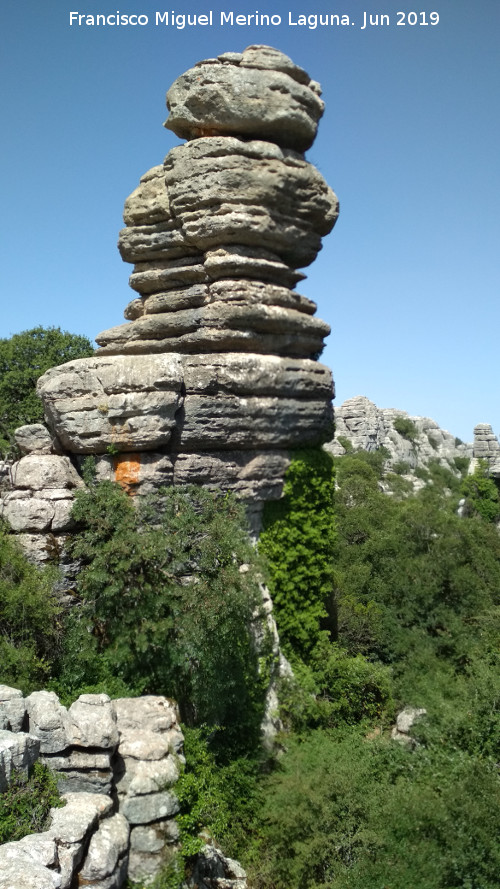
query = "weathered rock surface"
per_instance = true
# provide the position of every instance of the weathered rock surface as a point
(214, 376)
(259, 93)
(213, 870)
(486, 447)
(368, 427)
(18, 752)
(106, 754)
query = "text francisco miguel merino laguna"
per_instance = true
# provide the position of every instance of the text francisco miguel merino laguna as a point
(229, 18)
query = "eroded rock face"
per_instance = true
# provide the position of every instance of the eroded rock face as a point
(214, 375)
(257, 93)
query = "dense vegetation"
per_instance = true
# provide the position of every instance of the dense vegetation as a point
(25, 805)
(383, 600)
(23, 358)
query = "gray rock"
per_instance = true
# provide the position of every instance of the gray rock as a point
(143, 744)
(107, 845)
(404, 723)
(141, 778)
(114, 402)
(213, 869)
(34, 439)
(368, 427)
(153, 837)
(33, 514)
(47, 720)
(144, 866)
(44, 472)
(12, 708)
(245, 99)
(19, 871)
(41, 847)
(149, 807)
(154, 713)
(18, 752)
(91, 722)
(149, 203)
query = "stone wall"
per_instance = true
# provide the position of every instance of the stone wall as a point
(116, 764)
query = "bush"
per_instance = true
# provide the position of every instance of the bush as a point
(297, 540)
(481, 493)
(25, 805)
(160, 582)
(29, 618)
(406, 428)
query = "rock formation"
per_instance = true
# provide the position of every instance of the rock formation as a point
(116, 764)
(486, 447)
(214, 376)
(359, 423)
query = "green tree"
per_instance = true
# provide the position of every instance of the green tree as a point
(169, 608)
(23, 358)
(29, 618)
(481, 493)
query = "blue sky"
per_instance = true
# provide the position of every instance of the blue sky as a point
(410, 141)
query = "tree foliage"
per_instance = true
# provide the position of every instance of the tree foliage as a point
(25, 805)
(29, 618)
(170, 601)
(481, 493)
(297, 540)
(24, 357)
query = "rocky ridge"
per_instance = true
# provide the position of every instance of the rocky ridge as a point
(361, 425)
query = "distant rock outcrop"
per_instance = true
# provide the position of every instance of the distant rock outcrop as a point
(360, 424)
(487, 447)
(215, 374)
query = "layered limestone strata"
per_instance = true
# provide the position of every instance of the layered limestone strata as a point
(361, 425)
(214, 376)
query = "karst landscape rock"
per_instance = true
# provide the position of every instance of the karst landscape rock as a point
(214, 375)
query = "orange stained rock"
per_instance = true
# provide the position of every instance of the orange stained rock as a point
(127, 471)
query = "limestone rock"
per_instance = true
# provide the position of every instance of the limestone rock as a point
(34, 439)
(47, 720)
(212, 870)
(261, 95)
(12, 708)
(114, 402)
(107, 845)
(368, 427)
(228, 191)
(486, 447)
(91, 722)
(18, 752)
(149, 807)
(155, 713)
(45, 472)
(153, 837)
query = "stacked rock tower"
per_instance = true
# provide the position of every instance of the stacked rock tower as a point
(214, 377)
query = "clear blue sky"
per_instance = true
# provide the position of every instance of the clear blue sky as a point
(410, 141)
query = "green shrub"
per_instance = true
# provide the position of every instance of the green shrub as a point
(401, 467)
(297, 540)
(160, 582)
(406, 428)
(481, 493)
(25, 805)
(335, 688)
(462, 464)
(345, 443)
(29, 618)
